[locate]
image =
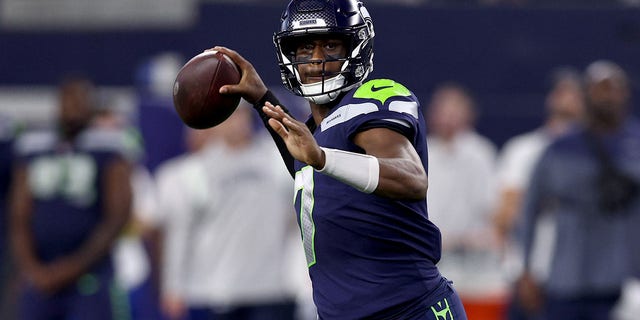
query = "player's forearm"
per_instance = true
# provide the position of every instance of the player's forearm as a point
(401, 172)
(65, 270)
(401, 179)
(282, 147)
(394, 178)
(117, 211)
(23, 247)
(97, 246)
(21, 239)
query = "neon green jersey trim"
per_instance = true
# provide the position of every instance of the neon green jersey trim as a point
(381, 90)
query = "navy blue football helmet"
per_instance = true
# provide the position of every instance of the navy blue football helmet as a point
(345, 19)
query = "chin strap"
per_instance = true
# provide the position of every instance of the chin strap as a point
(322, 94)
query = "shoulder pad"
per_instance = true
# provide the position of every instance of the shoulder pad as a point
(35, 142)
(108, 140)
(381, 90)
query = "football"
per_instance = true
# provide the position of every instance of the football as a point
(196, 95)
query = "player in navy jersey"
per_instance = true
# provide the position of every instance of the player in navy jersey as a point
(360, 168)
(70, 199)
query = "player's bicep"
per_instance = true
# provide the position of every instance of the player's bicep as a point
(386, 143)
(117, 189)
(20, 195)
(401, 174)
(400, 126)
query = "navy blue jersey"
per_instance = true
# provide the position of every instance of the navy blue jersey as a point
(368, 256)
(66, 183)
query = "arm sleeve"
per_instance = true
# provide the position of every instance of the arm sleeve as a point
(282, 147)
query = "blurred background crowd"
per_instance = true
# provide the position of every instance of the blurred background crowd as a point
(211, 231)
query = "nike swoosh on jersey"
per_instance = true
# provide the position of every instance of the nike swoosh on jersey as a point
(374, 88)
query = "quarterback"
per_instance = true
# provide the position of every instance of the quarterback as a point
(360, 168)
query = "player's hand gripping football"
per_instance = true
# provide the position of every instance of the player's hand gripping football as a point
(251, 87)
(299, 140)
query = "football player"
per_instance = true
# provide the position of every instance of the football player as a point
(360, 168)
(71, 197)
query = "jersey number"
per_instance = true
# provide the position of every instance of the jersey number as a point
(71, 177)
(304, 186)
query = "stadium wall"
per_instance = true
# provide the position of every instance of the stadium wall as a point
(503, 55)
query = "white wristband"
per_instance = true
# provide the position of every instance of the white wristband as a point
(360, 171)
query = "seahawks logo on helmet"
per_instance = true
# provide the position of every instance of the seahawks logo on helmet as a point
(348, 19)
